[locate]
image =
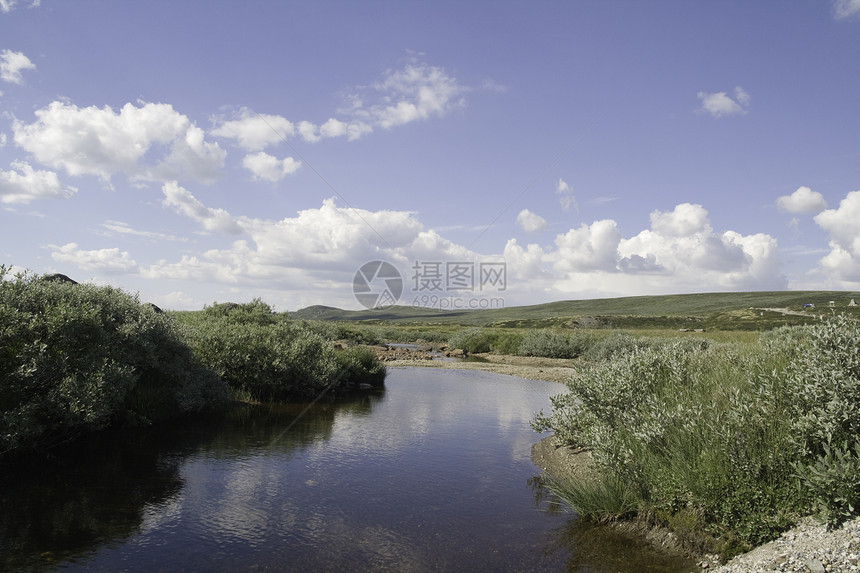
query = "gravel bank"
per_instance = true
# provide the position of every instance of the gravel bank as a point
(528, 367)
(809, 547)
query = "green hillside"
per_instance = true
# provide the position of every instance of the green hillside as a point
(727, 311)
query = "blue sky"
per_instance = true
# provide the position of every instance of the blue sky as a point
(203, 151)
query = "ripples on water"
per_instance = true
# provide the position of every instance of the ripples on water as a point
(433, 473)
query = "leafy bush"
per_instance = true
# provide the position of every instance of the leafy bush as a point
(554, 344)
(278, 359)
(690, 431)
(359, 365)
(477, 340)
(78, 358)
(834, 481)
(619, 344)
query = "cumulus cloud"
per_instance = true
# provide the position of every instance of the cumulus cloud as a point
(12, 64)
(319, 250)
(565, 195)
(256, 131)
(102, 142)
(104, 260)
(183, 202)
(530, 222)
(845, 8)
(803, 200)
(23, 184)
(842, 263)
(684, 220)
(588, 248)
(719, 104)
(265, 166)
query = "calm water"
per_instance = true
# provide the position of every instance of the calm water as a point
(431, 474)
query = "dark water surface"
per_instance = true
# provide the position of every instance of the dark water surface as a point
(431, 474)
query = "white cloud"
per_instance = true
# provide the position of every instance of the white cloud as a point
(684, 220)
(12, 64)
(588, 248)
(565, 193)
(803, 200)
(8, 5)
(314, 255)
(256, 131)
(104, 260)
(101, 142)
(23, 184)
(121, 228)
(184, 203)
(843, 261)
(2, 135)
(530, 222)
(719, 104)
(265, 166)
(845, 8)
(416, 92)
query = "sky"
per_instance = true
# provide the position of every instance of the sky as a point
(440, 154)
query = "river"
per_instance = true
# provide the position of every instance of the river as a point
(432, 473)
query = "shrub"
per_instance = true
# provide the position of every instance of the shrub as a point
(281, 359)
(477, 340)
(554, 344)
(78, 358)
(359, 365)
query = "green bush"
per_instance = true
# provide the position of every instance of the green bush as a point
(78, 358)
(691, 430)
(479, 340)
(548, 343)
(278, 359)
(359, 365)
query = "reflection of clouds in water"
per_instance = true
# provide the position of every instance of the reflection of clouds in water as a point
(436, 413)
(238, 505)
(457, 399)
(162, 515)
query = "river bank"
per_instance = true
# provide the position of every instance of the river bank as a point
(528, 367)
(809, 547)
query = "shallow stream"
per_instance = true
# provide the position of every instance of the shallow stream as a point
(433, 473)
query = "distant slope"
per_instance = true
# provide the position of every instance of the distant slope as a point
(677, 306)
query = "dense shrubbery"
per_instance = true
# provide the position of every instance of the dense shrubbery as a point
(729, 441)
(77, 358)
(266, 356)
(477, 340)
(557, 343)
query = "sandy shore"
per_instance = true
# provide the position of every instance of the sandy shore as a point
(528, 367)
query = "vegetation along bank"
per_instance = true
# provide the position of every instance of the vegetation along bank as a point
(78, 358)
(726, 444)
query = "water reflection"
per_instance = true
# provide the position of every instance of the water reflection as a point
(430, 474)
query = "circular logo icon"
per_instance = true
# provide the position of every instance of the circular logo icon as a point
(377, 284)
